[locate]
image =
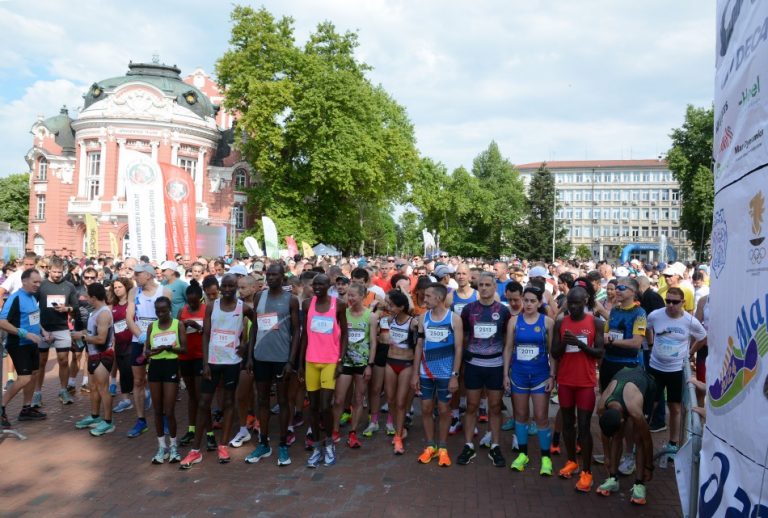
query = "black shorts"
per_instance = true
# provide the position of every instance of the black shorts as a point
(26, 358)
(163, 371)
(350, 370)
(609, 369)
(107, 360)
(380, 360)
(266, 372)
(489, 378)
(672, 381)
(137, 355)
(191, 368)
(228, 375)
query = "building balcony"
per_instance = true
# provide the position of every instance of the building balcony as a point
(79, 208)
(119, 207)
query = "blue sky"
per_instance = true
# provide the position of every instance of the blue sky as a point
(548, 80)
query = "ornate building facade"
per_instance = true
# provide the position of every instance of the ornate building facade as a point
(74, 163)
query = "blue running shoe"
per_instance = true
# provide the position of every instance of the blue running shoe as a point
(283, 458)
(122, 406)
(315, 458)
(330, 455)
(262, 451)
(139, 428)
(509, 424)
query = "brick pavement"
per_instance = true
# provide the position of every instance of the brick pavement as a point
(61, 471)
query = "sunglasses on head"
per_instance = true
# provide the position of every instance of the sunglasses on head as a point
(622, 287)
(672, 301)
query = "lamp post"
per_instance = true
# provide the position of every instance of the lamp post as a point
(554, 221)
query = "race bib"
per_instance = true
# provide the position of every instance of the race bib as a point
(459, 307)
(384, 324)
(224, 339)
(191, 330)
(120, 326)
(34, 318)
(322, 325)
(398, 337)
(163, 339)
(526, 353)
(356, 335)
(616, 335)
(575, 348)
(55, 301)
(144, 322)
(437, 334)
(484, 331)
(267, 321)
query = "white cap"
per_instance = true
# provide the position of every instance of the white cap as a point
(675, 269)
(538, 271)
(238, 269)
(621, 271)
(169, 265)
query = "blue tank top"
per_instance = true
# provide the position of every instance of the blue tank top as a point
(458, 303)
(530, 345)
(438, 352)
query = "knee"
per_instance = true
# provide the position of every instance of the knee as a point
(674, 409)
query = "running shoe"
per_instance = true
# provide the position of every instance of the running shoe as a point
(353, 442)
(483, 417)
(283, 458)
(390, 427)
(223, 454)
(397, 445)
(336, 436)
(139, 428)
(102, 428)
(88, 422)
(585, 482)
(520, 462)
(345, 417)
(262, 451)
(37, 400)
(122, 406)
(65, 397)
(508, 425)
(241, 437)
(193, 457)
(31, 414)
(5, 422)
(443, 459)
(638, 494)
(429, 453)
(309, 442)
(173, 455)
(275, 409)
(85, 389)
(187, 438)
(671, 450)
(466, 455)
(408, 419)
(554, 450)
(371, 429)
(113, 389)
(485, 442)
(329, 459)
(315, 459)
(497, 457)
(210, 442)
(532, 428)
(290, 438)
(385, 408)
(658, 427)
(598, 459)
(627, 465)
(298, 420)
(455, 426)
(555, 400)
(161, 455)
(569, 470)
(611, 485)
(71, 389)
(546, 467)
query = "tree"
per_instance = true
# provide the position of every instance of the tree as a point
(583, 252)
(690, 160)
(534, 239)
(14, 201)
(331, 150)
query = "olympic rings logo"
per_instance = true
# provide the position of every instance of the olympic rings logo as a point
(756, 255)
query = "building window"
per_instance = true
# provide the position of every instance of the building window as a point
(40, 212)
(241, 179)
(665, 195)
(645, 194)
(675, 214)
(189, 165)
(588, 195)
(239, 216)
(576, 213)
(39, 245)
(92, 175)
(635, 213)
(675, 195)
(577, 195)
(42, 169)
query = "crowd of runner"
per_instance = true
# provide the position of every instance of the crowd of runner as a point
(352, 343)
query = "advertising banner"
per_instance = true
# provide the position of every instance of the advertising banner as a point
(291, 244)
(308, 252)
(11, 244)
(270, 238)
(146, 213)
(91, 236)
(113, 246)
(179, 197)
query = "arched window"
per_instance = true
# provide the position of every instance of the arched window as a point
(39, 245)
(241, 178)
(42, 169)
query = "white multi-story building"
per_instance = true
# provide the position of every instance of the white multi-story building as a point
(608, 204)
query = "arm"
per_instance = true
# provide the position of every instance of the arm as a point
(182, 337)
(130, 314)
(295, 335)
(341, 316)
(303, 344)
(373, 326)
(417, 354)
(509, 346)
(644, 454)
(207, 340)
(550, 324)
(148, 352)
(449, 301)
(558, 346)
(458, 334)
(598, 348)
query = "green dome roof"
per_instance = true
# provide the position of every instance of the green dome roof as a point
(61, 126)
(163, 77)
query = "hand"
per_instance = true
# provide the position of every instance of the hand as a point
(301, 374)
(337, 373)
(287, 370)
(549, 385)
(77, 335)
(367, 374)
(143, 337)
(607, 339)
(249, 366)
(453, 384)
(47, 336)
(61, 309)
(570, 339)
(193, 324)
(32, 337)
(507, 384)
(415, 383)
(207, 372)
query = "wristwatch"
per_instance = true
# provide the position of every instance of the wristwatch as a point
(454, 373)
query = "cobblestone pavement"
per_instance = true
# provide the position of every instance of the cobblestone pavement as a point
(61, 471)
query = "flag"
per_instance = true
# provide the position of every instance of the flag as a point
(429, 241)
(308, 252)
(270, 238)
(179, 197)
(91, 236)
(146, 212)
(113, 248)
(252, 246)
(292, 248)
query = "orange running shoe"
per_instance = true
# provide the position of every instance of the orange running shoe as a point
(554, 450)
(570, 469)
(585, 482)
(249, 421)
(444, 460)
(398, 445)
(223, 453)
(353, 442)
(429, 453)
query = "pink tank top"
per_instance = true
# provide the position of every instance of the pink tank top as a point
(323, 334)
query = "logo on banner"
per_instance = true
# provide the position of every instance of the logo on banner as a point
(719, 242)
(141, 174)
(176, 190)
(725, 142)
(756, 210)
(710, 500)
(750, 144)
(719, 121)
(750, 94)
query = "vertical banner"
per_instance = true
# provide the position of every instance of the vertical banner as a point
(146, 213)
(114, 249)
(252, 247)
(291, 244)
(180, 217)
(91, 236)
(308, 252)
(272, 250)
(733, 480)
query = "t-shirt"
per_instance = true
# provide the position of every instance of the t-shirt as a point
(52, 294)
(22, 311)
(178, 289)
(13, 283)
(671, 339)
(623, 324)
(485, 328)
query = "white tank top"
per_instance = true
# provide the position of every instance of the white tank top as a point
(226, 329)
(145, 309)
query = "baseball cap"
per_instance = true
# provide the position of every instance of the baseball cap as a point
(238, 269)
(144, 268)
(538, 271)
(342, 279)
(169, 265)
(258, 266)
(442, 270)
(621, 271)
(362, 263)
(675, 269)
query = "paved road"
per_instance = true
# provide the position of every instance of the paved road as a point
(61, 471)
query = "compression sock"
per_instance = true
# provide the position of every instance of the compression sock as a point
(521, 432)
(545, 439)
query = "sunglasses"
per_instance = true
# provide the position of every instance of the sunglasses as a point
(89, 277)
(673, 302)
(622, 287)
(390, 260)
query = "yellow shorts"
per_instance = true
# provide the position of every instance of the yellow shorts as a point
(320, 375)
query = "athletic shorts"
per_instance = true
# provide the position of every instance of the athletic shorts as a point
(672, 381)
(137, 355)
(701, 369)
(431, 387)
(609, 369)
(25, 358)
(266, 372)
(353, 370)
(525, 381)
(163, 371)
(191, 368)
(320, 376)
(382, 350)
(60, 340)
(583, 398)
(397, 365)
(227, 374)
(94, 360)
(489, 378)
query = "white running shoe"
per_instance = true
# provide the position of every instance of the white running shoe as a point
(627, 465)
(241, 437)
(485, 442)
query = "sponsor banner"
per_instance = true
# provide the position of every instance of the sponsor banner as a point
(292, 248)
(252, 246)
(308, 252)
(270, 238)
(211, 240)
(11, 244)
(146, 212)
(179, 197)
(91, 236)
(113, 246)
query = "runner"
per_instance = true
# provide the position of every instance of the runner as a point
(485, 326)
(244, 396)
(502, 279)
(577, 344)
(101, 358)
(531, 377)
(437, 358)
(80, 320)
(273, 353)
(118, 299)
(673, 276)
(192, 316)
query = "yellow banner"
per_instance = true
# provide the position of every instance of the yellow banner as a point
(91, 236)
(113, 247)
(308, 252)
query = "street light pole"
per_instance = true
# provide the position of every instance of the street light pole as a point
(554, 221)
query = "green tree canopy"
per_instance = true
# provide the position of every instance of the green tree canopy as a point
(14, 201)
(534, 239)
